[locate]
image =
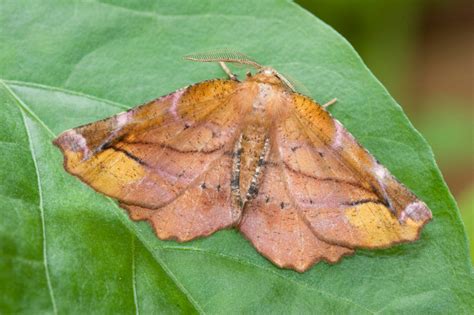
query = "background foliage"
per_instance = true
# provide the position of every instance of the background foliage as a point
(66, 249)
(426, 62)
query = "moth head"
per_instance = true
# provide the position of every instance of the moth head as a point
(271, 76)
(264, 74)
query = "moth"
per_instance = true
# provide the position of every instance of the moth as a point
(254, 155)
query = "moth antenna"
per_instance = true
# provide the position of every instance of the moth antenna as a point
(285, 80)
(224, 55)
(294, 84)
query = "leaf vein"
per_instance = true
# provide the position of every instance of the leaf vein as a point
(42, 216)
(65, 91)
(23, 107)
(134, 280)
(249, 263)
(133, 230)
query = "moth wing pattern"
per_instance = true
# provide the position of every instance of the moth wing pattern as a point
(254, 155)
(347, 197)
(170, 154)
(273, 222)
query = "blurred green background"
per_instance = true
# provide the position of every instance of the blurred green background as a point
(423, 53)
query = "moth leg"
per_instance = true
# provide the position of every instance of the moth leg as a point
(227, 70)
(334, 100)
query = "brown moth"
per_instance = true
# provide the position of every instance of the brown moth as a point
(252, 155)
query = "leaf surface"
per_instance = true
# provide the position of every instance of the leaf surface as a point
(66, 249)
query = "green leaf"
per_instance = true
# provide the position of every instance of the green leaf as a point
(66, 249)
(466, 203)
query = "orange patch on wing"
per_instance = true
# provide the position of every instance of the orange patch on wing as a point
(253, 155)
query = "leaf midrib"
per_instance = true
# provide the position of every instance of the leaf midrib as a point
(131, 227)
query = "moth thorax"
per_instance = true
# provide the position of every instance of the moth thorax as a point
(262, 100)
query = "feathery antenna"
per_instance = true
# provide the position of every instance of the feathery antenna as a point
(224, 55)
